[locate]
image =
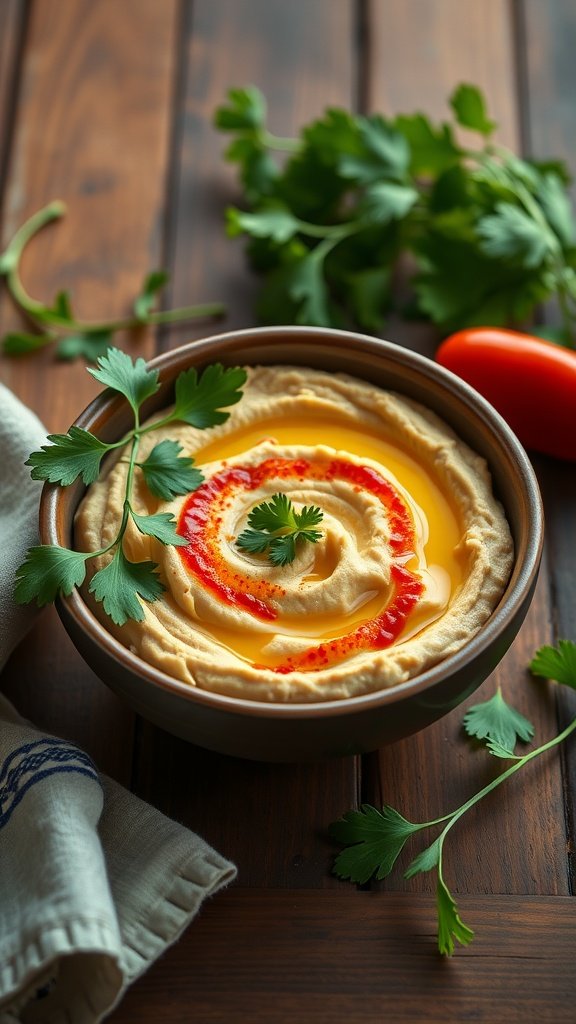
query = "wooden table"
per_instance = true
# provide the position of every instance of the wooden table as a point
(107, 104)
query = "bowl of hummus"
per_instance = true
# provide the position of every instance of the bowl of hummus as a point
(358, 555)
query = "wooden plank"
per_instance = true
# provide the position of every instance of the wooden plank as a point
(12, 18)
(266, 817)
(301, 57)
(92, 128)
(364, 957)
(420, 52)
(270, 819)
(549, 82)
(548, 75)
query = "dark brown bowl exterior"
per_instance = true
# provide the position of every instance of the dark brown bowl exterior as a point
(297, 732)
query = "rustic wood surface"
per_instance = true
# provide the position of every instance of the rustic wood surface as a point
(108, 106)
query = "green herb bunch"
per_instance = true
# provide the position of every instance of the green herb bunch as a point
(50, 570)
(57, 326)
(490, 235)
(375, 838)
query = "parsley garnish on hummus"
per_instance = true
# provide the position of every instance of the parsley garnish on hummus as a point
(276, 527)
(49, 570)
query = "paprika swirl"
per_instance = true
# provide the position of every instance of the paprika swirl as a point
(204, 515)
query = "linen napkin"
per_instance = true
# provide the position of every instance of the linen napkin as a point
(94, 883)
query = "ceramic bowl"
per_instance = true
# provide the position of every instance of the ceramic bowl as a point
(293, 732)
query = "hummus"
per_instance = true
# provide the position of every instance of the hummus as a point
(414, 555)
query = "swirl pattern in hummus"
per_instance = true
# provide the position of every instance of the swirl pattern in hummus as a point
(414, 556)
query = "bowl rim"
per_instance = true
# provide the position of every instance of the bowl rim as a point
(511, 601)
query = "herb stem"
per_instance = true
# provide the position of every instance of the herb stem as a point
(454, 817)
(49, 321)
(333, 231)
(10, 258)
(271, 141)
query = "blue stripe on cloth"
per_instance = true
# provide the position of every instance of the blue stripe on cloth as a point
(32, 762)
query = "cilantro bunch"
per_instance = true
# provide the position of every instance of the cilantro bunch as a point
(489, 236)
(50, 570)
(375, 838)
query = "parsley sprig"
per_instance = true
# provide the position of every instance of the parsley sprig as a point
(200, 401)
(276, 527)
(375, 838)
(56, 324)
(490, 235)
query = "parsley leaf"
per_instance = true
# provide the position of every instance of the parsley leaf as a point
(118, 583)
(89, 345)
(558, 663)
(378, 837)
(426, 860)
(132, 379)
(384, 152)
(498, 721)
(556, 205)
(77, 453)
(153, 283)
(386, 201)
(450, 925)
(510, 233)
(47, 571)
(275, 526)
(468, 104)
(161, 525)
(307, 286)
(368, 293)
(18, 343)
(432, 149)
(499, 750)
(246, 109)
(271, 221)
(199, 400)
(282, 549)
(168, 474)
(258, 171)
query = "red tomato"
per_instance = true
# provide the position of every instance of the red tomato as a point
(531, 382)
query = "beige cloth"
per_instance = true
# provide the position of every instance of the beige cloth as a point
(94, 883)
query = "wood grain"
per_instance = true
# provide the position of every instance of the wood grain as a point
(420, 52)
(12, 22)
(363, 957)
(270, 819)
(549, 85)
(302, 57)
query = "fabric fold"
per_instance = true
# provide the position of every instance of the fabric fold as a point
(95, 884)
